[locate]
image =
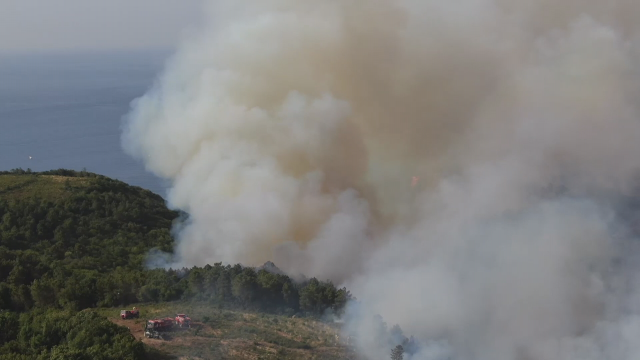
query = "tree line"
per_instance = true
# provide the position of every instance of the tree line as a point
(228, 286)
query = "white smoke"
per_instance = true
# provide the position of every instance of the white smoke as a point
(291, 131)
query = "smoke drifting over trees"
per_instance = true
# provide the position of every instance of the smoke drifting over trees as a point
(292, 131)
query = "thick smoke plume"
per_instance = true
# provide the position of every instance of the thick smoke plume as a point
(292, 131)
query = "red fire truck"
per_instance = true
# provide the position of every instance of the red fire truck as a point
(154, 328)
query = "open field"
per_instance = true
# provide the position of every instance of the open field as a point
(224, 334)
(50, 187)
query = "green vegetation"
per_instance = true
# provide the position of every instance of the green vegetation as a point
(76, 240)
(65, 335)
(64, 234)
(49, 187)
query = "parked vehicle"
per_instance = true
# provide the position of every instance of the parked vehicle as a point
(129, 314)
(183, 321)
(154, 328)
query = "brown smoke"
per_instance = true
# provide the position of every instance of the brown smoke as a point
(292, 131)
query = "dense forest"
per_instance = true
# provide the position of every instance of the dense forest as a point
(65, 335)
(71, 241)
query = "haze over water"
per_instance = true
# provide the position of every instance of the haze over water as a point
(65, 111)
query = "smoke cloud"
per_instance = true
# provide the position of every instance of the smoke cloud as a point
(292, 131)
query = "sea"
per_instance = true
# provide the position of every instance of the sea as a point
(65, 110)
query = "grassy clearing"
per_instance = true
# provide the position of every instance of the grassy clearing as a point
(50, 187)
(224, 334)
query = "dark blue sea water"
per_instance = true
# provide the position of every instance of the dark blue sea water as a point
(65, 111)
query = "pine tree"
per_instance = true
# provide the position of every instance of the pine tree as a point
(396, 353)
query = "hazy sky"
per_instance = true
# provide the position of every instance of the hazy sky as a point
(27, 25)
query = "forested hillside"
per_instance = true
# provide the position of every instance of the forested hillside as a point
(76, 240)
(66, 236)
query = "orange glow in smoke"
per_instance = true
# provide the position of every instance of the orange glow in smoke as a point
(414, 181)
